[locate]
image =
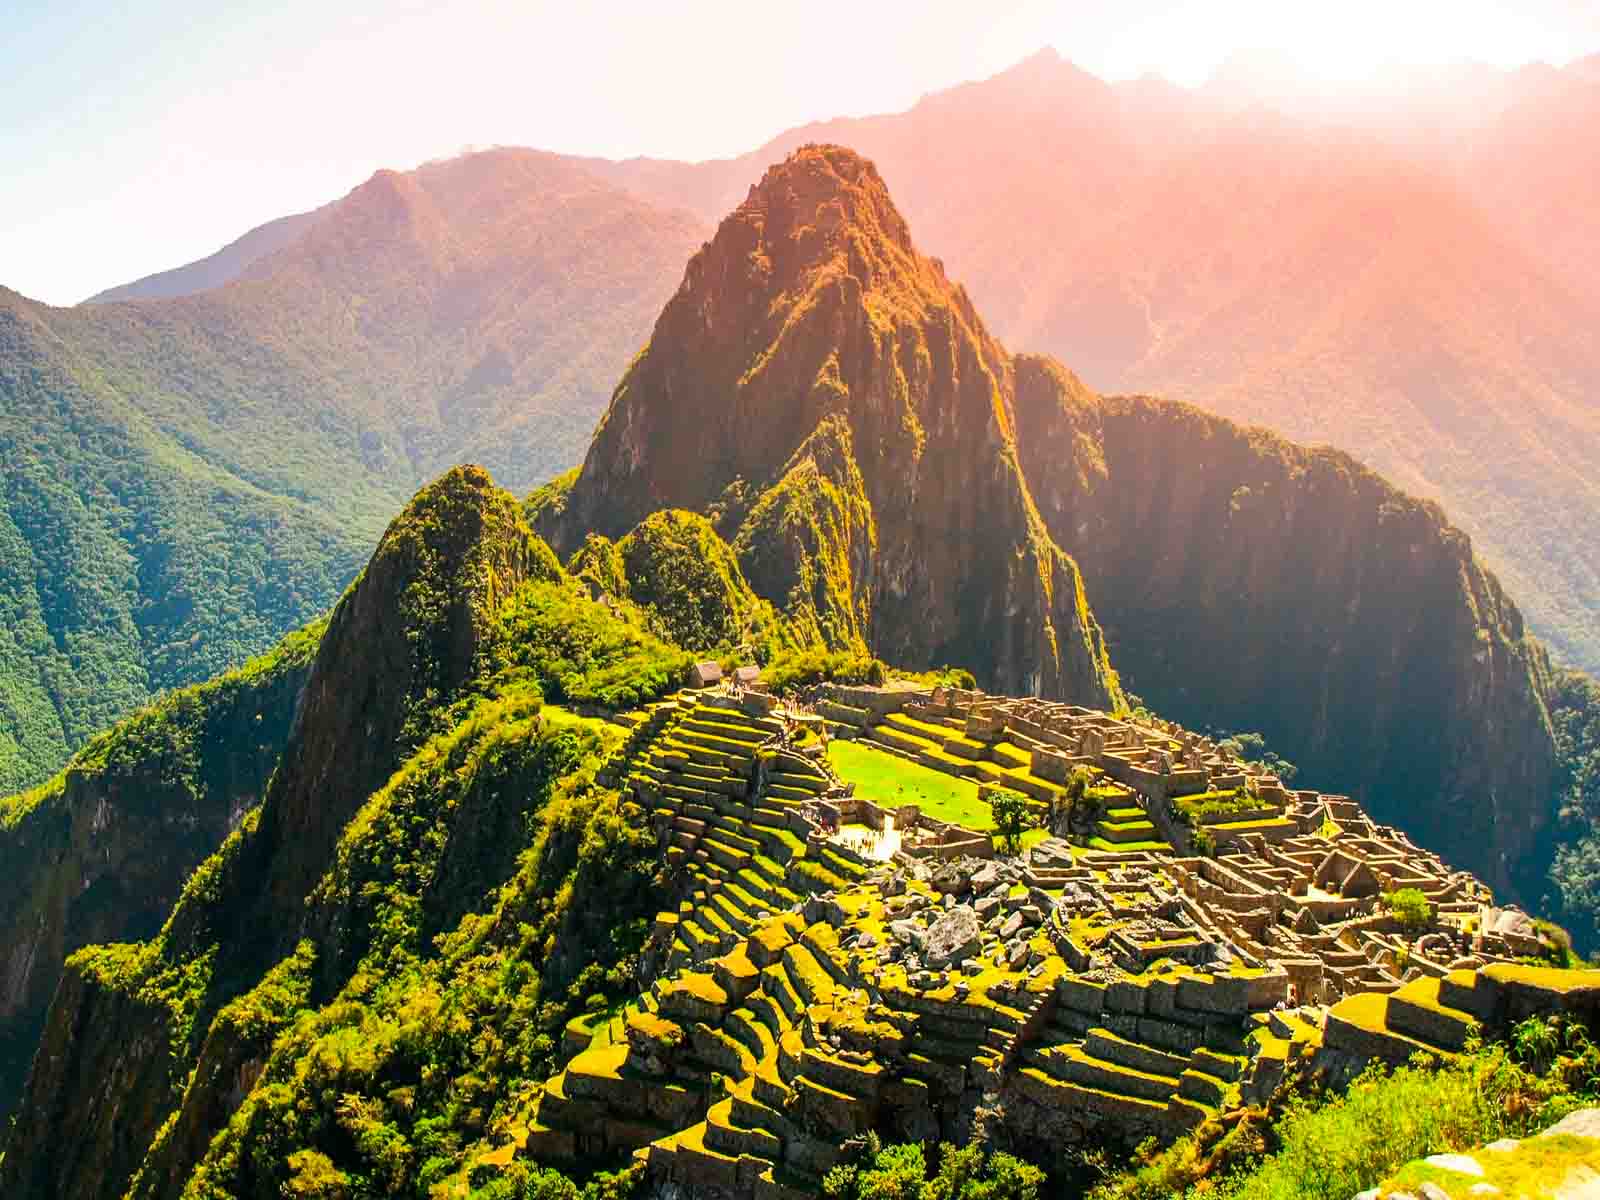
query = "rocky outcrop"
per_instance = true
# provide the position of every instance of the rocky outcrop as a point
(1562, 1158)
(1249, 583)
(817, 376)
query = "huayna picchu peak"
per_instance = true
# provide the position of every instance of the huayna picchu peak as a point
(816, 380)
(823, 790)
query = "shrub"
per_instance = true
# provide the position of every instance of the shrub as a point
(1411, 908)
(1012, 815)
(901, 1173)
(1323, 1146)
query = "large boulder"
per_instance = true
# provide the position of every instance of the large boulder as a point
(953, 938)
(1510, 922)
(953, 879)
(908, 932)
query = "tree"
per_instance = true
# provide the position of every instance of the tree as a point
(1078, 783)
(1091, 804)
(1012, 815)
(894, 1173)
(1411, 908)
(1251, 748)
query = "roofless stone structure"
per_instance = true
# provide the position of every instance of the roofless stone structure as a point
(1186, 932)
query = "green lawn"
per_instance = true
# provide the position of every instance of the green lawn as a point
(887, 780)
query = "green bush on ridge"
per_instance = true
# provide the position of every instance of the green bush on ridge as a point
(1324, 1145)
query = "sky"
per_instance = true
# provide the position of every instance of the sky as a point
(139, 136)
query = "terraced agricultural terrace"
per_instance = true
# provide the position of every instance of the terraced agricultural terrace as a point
(1107, 984)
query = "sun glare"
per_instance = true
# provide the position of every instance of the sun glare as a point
(1324, 46)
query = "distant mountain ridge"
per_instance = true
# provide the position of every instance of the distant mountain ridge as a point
(1416, 285)
(1410, 272)
(215, 270)
(199, 474)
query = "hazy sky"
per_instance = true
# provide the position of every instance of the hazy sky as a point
(139, 135)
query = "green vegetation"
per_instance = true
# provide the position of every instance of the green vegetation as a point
(901, 1172)
(129, 566)
(522, 1180)
(1329, 1146)
(1076, 797)
(686, 577)
(598, 563)
(184, 737)
(450, 1004)
(791, 670)
(891, 780)
(582, 652)
(1575, 871)
(487, 890)
(203, 752)
(549, 500)
(490, 886)
(1209, 804)
(187, 480)
(1251, 748)
(796, 543)
(1411, 908)
(1538, 1166)
(1012, 813)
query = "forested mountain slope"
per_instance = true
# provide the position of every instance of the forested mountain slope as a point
(189, 478)
(100, 853)
(427, 681)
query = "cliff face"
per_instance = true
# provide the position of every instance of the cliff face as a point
(402, 644)
(1249, 583)
(100, 853)
(810, 341)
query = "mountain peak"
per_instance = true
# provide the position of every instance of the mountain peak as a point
(818, 200)
(819, 386)
(798, 292)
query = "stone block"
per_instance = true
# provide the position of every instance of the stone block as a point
(1125, 996)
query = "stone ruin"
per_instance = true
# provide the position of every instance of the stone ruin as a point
(1098, 988)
